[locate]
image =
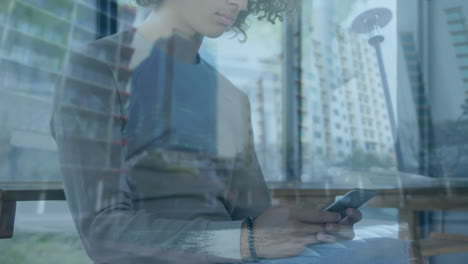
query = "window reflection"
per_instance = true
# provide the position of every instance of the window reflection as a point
(352, 108)
(342, 133)
(258, 72)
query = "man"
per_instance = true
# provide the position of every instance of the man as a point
(156, 148)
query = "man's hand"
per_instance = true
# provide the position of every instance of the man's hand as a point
(286, 231)
(343, 230)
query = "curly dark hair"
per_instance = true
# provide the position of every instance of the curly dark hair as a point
(269, 10)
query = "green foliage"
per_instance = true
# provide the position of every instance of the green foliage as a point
(43, 248)
(360, 160)
(449, 150)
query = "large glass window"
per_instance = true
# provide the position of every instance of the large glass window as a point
(258, 71)
(133, 133)
(457, 27)
(454, 15)
(460, 38)
(463, 62)
(42, 48)
(37, 39)
(462, 49)
(351, 103)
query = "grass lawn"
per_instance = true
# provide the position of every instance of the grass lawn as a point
(42, 248)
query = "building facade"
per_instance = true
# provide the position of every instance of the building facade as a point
(346, 108)
(37, 38)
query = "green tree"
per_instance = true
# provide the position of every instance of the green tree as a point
(449, 151)
(361, 160)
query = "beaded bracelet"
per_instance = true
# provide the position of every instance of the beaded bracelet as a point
(253, 254)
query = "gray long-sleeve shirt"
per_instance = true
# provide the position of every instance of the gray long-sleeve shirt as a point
(157, 155)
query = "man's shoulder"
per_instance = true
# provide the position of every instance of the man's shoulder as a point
(103, 51)
(123, 38)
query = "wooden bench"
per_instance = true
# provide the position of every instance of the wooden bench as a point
(410, 200)
(443, 243)
(10, 193)
(436, 244)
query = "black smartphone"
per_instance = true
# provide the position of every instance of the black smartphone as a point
(352, 199)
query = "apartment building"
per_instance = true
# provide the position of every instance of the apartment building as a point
(37, 38)
(342, 104)
(458, 29)
(342, 76)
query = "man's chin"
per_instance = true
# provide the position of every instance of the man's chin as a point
(214, 34)
(216, 31)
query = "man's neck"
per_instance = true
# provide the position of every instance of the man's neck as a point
(161, 29)
(180, 48)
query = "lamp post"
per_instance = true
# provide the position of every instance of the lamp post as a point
(371, 22)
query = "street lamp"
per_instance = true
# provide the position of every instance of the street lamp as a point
(371, 22)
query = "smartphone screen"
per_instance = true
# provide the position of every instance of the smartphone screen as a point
(352, 199)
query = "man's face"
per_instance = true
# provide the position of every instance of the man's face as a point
(210, 18)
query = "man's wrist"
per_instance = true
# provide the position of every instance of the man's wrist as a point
(250, 245)
(244, 245)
